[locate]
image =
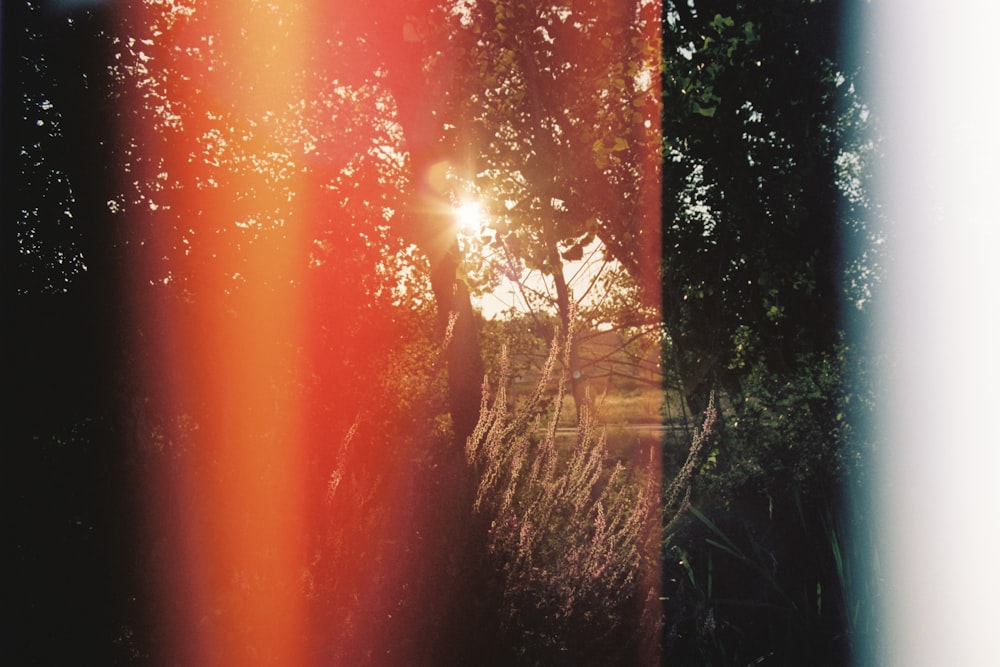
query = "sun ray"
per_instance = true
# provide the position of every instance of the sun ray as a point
(471, 217)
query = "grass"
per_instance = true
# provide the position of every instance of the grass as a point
(570, 527)
(643, 405)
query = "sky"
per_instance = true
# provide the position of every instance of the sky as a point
(579, 275)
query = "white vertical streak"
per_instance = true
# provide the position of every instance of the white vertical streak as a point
(936, 82)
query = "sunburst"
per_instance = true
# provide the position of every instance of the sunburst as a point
(471, 217)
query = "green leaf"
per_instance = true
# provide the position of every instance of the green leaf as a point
(721, 22)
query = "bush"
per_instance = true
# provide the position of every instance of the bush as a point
(786, 434)
(767, 565)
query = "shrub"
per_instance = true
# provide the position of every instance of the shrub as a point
(786, 435)
(767, 564)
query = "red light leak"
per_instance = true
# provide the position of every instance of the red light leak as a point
(232, 507)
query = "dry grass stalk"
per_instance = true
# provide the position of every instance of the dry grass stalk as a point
(567, 534)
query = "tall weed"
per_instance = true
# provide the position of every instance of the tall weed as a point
(568, 536)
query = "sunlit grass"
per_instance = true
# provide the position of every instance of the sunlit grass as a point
(570, 525)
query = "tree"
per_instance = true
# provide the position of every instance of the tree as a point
(565, 109)
(423, 60)
(232, 186)
(64, 454)
(760, 116)
(768, 259)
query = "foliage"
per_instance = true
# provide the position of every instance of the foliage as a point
(765, 207)
(205, 207)
(568, 537)
(65, 463)
(787, 435)
(772, 563)
(57, 167)
(219, 173)
(382, 572)
(565, 113)
(769, 255)
(564, 106)
(787, 589)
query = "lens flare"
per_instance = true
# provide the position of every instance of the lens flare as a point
(471, 217)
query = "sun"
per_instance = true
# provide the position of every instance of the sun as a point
(471, 217)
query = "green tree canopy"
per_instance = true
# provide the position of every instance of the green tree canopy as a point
(763, 206)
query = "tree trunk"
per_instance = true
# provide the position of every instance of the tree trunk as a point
(465, 364)
(577, 383)
(421, 101)
(462, 620)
